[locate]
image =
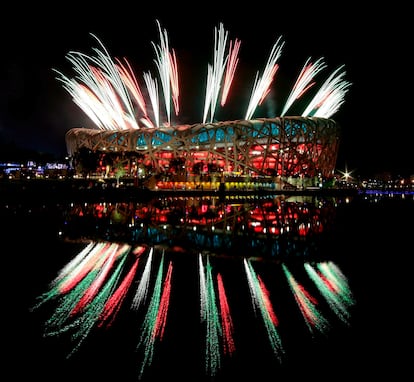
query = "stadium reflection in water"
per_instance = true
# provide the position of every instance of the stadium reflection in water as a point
(229, 287)
(272, 228)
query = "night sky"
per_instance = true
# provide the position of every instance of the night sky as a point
(376, 137)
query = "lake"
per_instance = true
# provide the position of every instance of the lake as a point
(269, 287)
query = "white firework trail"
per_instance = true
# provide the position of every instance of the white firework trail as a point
(105, 270)
(262, 84)
(232, 62)
(152, 86)
(303, 82)
(175, 88)
(226, 319)
(109, 94)
(163, 64)
(329, 97)
(101, 91)
(215, 72)
(128, 77)
(111, 70)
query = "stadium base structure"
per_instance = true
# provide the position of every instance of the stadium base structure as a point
(287, 147)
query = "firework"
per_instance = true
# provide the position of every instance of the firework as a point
(108, 91)
(303, 83)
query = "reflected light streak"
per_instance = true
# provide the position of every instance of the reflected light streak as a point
(115, 301)
(261, 303)
(154, 323)
(307, 304)
(142, 290)
(97, 281)
(329, 290)
(81, 322)
(211, 321)
(226, 319)
(93, 289)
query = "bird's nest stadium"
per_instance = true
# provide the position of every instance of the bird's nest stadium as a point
(289, 147)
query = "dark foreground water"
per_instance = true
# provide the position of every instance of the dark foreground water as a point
(207, 313)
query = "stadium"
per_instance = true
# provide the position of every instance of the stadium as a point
(289, 147)
(134, 140)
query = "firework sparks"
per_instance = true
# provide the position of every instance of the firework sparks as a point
(232, 62)
(203, 289)
(262, 84)
(215, 73)
(329, 97)
(303, 82)
(108, 92)
(102, 92)
(167, 68)
(93, 261)
(152, 86)
(175, 88)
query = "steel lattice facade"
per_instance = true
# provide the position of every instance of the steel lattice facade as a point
(285, 146)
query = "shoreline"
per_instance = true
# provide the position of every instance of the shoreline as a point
(83, 190)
